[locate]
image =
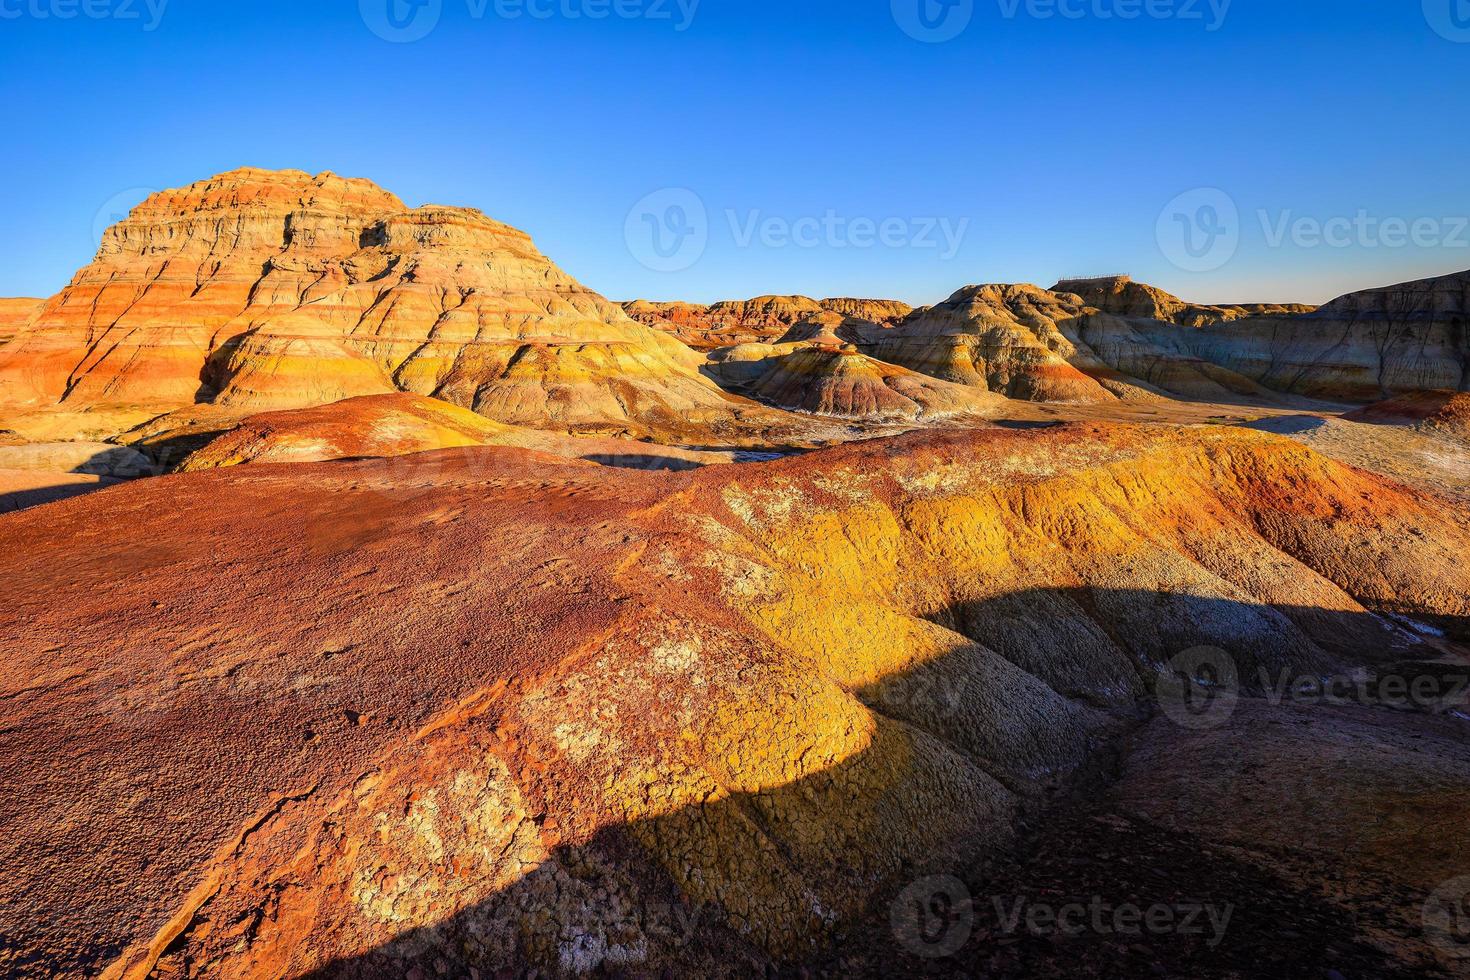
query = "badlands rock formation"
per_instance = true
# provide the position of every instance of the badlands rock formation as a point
(815, 369)
(437, 715)
(687, 321)
(1121, 340)
(1018, 341)
(1096, 340)
(1121, 296)
(15, 314)
(883, 312)
(819, 377)
(763, 320)
(450, 694)
(797, 353)
(262, 290)
(1362, 347)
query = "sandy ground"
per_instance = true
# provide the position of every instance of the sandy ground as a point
(1427, 462)
(1397, 452)
(1419, 460)
(20, 489)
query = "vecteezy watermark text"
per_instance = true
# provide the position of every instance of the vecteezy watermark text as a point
(1210, 13)
(1102, 918)
(149, 13)
(1447, 918)
(1201, 688)
(1201, 230)
(833, 230)
(1364, 230)
(669, 230)
(405, 21)
(935, 917)
(937, 21)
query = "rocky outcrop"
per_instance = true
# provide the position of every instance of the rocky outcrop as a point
(763, 320)
(814, 368)
(883, 312)
(1437, 413)
(1121, 296)
(1160, 357)
(756, 321)
(1363, 347)
(825, 330)
(1092, 340)
(844, 383)
(262, 290)
(1018, 341)
(689, 322)
(1100, 340)
(444, 715)
(15, 314)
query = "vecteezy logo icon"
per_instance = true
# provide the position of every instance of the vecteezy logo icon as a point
(1449, 18)
(116, 208)
(1199, 231)
(1447, 918)
(401, 21)
(133, 703)
(1199, 689)
(933, 21)
(668, 230)
(933, 918)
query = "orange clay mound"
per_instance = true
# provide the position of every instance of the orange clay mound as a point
(492, 710)
(844, 383)
(1444, 413)
(403, 424)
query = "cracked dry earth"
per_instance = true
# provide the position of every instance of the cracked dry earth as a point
(489, 710)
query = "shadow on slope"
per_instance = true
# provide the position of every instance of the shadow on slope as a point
(32, 475)
(18, 491)
(967, 731)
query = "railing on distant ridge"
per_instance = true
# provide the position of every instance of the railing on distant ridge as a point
(1120, 275)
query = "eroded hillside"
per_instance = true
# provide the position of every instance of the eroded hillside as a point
(262, 290)
(489, 709)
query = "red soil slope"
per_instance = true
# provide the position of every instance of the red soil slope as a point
(490, 709)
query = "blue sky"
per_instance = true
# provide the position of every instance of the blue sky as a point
(828, 150)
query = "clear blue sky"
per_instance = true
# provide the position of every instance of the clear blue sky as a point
(1060, 140)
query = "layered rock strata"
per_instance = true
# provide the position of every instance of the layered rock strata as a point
(820, 377)
(1121, 296)
(763, 320)
(15, 314)
(1362, 347)
(262, 290)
